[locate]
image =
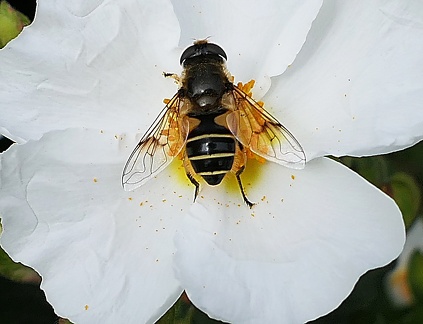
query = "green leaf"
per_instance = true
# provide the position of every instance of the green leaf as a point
(16, 271)
(415, 275)
(180, 313)
(11, 23)
(375, 169)
(407, 195)
(413, 316)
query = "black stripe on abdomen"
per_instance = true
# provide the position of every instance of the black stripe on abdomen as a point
(211, 155)
(210, 144)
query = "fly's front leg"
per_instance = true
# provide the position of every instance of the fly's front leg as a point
(174, 76)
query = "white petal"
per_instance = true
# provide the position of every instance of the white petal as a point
(260, 39)
(92, 63)
(356, 87)
(105, 255)
(296, 255)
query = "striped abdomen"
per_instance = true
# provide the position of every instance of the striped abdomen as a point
(211, 149)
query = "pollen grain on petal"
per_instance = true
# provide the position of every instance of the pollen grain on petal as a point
(95, 180)
(86, 307)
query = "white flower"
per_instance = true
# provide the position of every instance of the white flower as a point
(79, 84)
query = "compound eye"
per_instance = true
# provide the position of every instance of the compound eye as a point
(216, 49)
(189, 52)
(202, 49)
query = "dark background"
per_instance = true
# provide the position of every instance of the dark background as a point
(26, 303)
(27, 7)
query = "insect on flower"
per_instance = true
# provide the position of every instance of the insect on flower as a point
(211, 123)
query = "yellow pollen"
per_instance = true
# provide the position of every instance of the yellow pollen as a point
(252, 155)
(247, 87)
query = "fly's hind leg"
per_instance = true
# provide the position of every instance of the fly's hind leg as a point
(244, 196)
(189, 172)
(195, 183)
(238, 167)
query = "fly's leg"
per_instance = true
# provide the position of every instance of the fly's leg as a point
(174, 76)
(189, 172)
(195, 183)
(238, 167)
(244, 196)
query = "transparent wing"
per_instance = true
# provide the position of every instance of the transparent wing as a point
(262, 133)
(160, 144)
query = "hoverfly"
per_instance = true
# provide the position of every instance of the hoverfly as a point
(211, 123)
